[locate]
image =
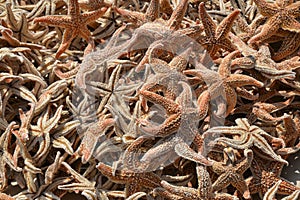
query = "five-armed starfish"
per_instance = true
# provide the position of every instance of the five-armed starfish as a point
(74, 23)
(281, 14)
(216, 36)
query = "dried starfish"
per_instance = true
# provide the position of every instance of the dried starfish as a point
(227, 81)
(204, 191)
(133, 181)
(265, 175)
(248, 136)
(74, 23)
(232, 173)
(216, 36)
(281, 14)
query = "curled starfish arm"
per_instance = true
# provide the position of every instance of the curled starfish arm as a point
(239, 80)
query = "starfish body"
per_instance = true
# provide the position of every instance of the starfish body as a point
(216, 36)
(265, 175)
(74, 24)
(281, 14)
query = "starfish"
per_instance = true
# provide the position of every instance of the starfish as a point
(133, 180)
(168, 84)
(152, 14)
(265, 175)
(289, 45)
(290, 134)
(270, 194)
(92, 136)
(183, 122)
(248, 136)
(281, 14)
(74, 23)
(261, 61)
(232, 173)
(20, 26)
(216, 36)
(225, 81)
(204, 190)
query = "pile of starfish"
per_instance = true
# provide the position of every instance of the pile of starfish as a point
(149, 99)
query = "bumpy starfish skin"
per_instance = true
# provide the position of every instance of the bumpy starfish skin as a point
(265, 175)
(281, 14)
(74, 24)
(216, 36)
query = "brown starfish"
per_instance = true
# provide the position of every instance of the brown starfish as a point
(216, 36)
(232, 173)
(74, 23)
(226, 81)
(281, 14)
(289, 45)
(204, 190)
(265, 175)
(133, 181)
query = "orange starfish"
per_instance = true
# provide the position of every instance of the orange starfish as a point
(74, 23)
(281, 14)
(216, 36)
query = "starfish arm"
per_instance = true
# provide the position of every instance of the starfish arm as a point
(94, 15)
(293, 9)
(269, 29)
(187, 193)
(118, 177)
(203, 104)
(73, 8)
(246, 162)
(289, 45)
(244, 143)
(240, 184)
(225, 26)
(233, 130)
(239, 80)
(183, 150)
(295, 195)
(264, 146)
(266, 9)
(242, 92)
(231, 98)
(209, 25)
(177, 15)
(291, 24)
(55, 20)
(222, 182)
(169, 126)
(134, 16)
(85, 34)
(286, 188)
(152, 12)
(225, 66)
(68, 36)
(168, 104)
(226, 44)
